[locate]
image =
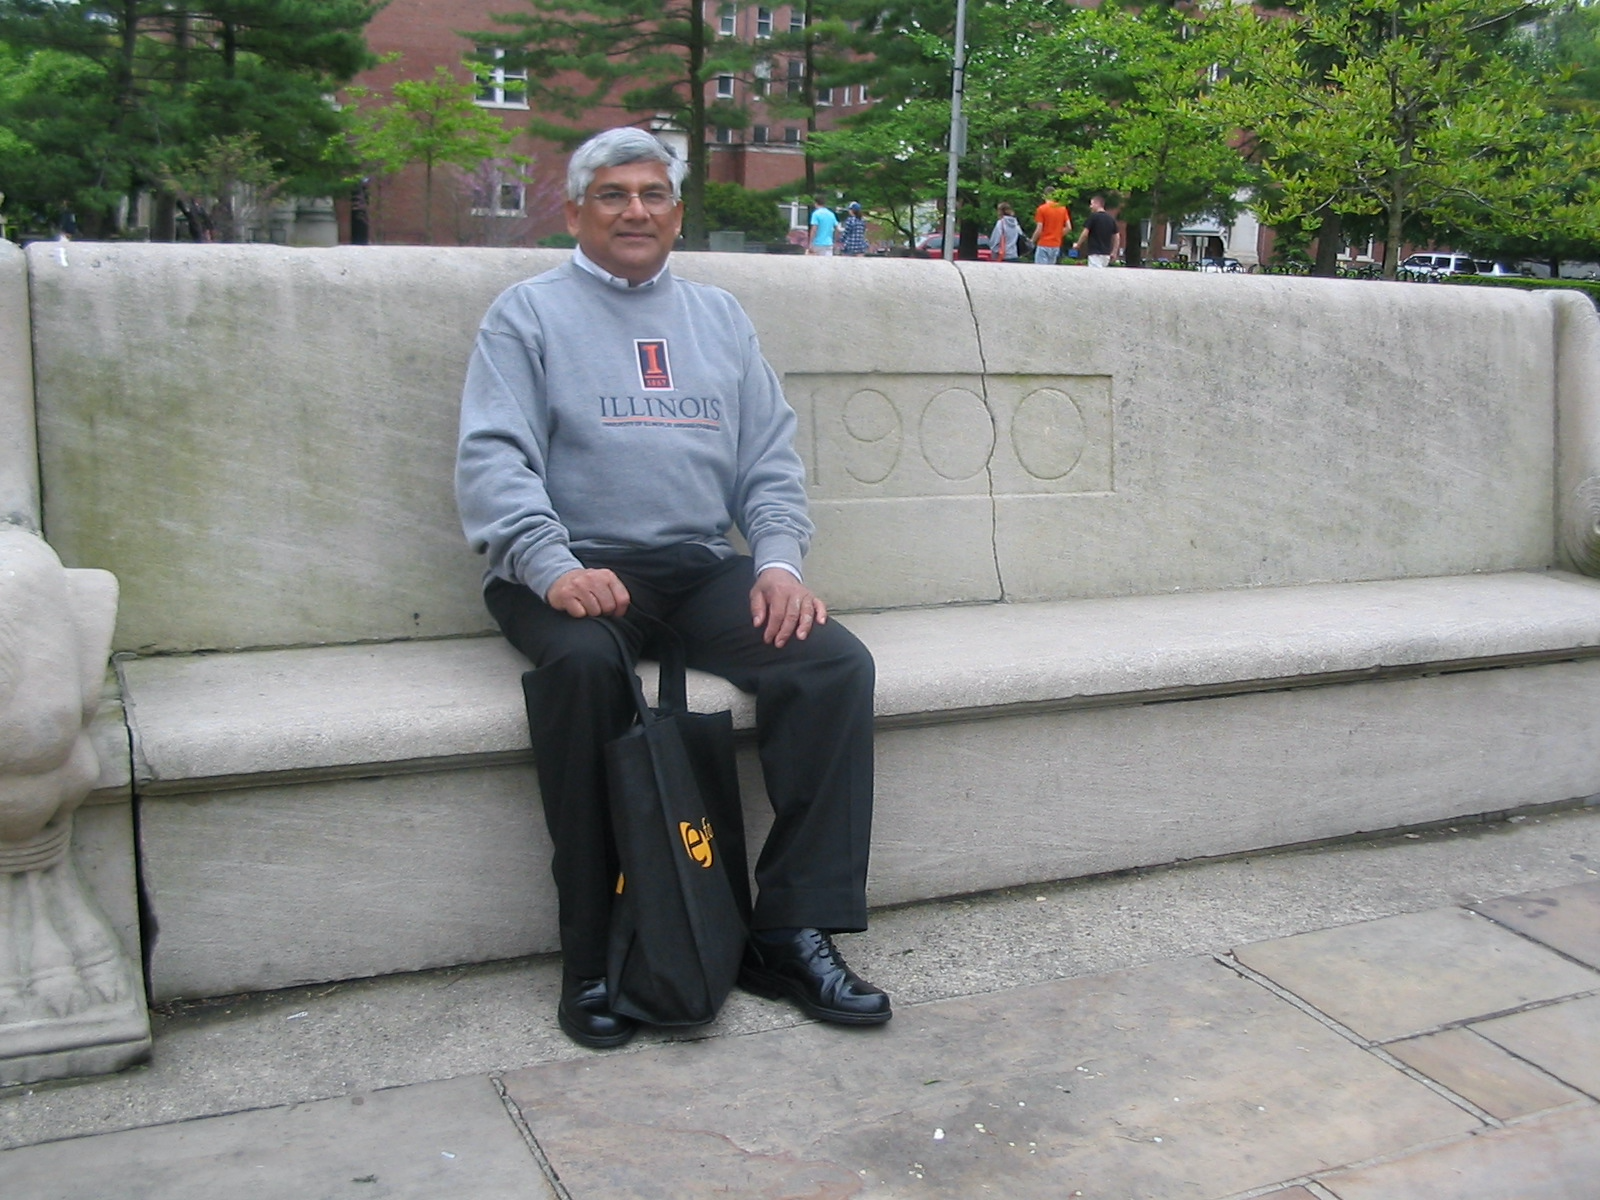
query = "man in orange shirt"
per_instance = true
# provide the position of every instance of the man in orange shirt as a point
(1052, 222)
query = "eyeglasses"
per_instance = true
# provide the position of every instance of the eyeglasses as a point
(614, 201)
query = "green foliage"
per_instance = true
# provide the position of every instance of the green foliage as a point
(729, 206)
(884, 161)
(1409, 110)
(430, 122)
(1588, 287)
(107, 96)
(650, 56)
(211, 179)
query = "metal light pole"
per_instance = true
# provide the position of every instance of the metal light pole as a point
(958, 131)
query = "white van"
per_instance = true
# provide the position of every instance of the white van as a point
(1443, 262)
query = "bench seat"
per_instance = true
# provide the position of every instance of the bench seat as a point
(324, 812)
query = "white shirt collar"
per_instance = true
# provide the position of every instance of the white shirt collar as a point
(584, 262)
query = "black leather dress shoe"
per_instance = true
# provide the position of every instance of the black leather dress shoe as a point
(585, 1014)
(809, 970)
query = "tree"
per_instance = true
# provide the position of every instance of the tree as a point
(109, 93)
(639, 56)
(729, 206)
(1419, 118)
(1143, 91)
(890, 159)
(431, 122)
(209, 185)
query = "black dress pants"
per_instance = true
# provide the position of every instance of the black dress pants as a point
(814, 736)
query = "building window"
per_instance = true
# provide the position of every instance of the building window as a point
(791, 134)
(724, 87)
(763, 22)
(797, 20)
(758, 134)
(861, 94)
(762, 71)
(797, 79)
(497, 86)
(728, 20)
(725, 137)
(499, 200)
(824, 97)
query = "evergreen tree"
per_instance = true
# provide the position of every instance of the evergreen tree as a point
(108, 95)
(632, 56)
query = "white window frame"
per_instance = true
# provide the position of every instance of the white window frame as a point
(797, 19)
(515, 191)
(763, 22)
(724, 87)
(791, 135)
(758, 135)
(728, 20)
(493, 81)
(825, 98)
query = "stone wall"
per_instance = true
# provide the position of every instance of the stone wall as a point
(258, 441)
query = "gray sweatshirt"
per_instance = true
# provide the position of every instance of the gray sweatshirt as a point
(597, 418)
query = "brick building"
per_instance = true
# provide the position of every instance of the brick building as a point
(503, 204)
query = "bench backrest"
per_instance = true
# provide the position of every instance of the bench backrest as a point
(259, 441)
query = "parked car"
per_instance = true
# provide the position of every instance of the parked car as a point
(1443, 262)
(931, 245)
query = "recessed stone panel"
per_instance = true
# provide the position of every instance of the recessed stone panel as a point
(906, 436)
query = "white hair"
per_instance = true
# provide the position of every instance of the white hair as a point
(617, 148)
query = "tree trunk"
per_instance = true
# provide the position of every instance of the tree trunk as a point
(1329, 239)
(1391, 242)
(1133, 244)
(811, 106)
(164, 220)
(427, 204)
(694, 190)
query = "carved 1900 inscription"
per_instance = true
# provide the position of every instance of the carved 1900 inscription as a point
(881, 437)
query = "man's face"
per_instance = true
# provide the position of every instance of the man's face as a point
(634, 243)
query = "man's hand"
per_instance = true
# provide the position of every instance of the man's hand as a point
(785, 606)
(589, 592)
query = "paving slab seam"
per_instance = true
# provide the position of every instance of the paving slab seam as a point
(1312, 1183)
(1475, 910)
(1480, 1018)
(1308, 1182)
(534, 1148)
(1350, 1035)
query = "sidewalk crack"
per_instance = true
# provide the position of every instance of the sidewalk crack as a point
(552, 1177)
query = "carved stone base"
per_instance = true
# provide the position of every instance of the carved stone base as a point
(71, 1001)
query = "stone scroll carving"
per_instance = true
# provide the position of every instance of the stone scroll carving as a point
(896, 436)
(1580, 533)
(71, 1002)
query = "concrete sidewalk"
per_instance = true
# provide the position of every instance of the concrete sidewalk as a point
(1415, 1016)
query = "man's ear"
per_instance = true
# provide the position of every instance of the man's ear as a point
(572, 217)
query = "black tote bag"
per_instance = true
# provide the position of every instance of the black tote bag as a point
(681, 913)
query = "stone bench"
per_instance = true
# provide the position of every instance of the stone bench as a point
(384, 804)
(1154, 566)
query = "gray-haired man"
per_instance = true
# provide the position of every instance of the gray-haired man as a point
(616, 422)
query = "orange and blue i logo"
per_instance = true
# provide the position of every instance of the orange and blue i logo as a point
(655, 373)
